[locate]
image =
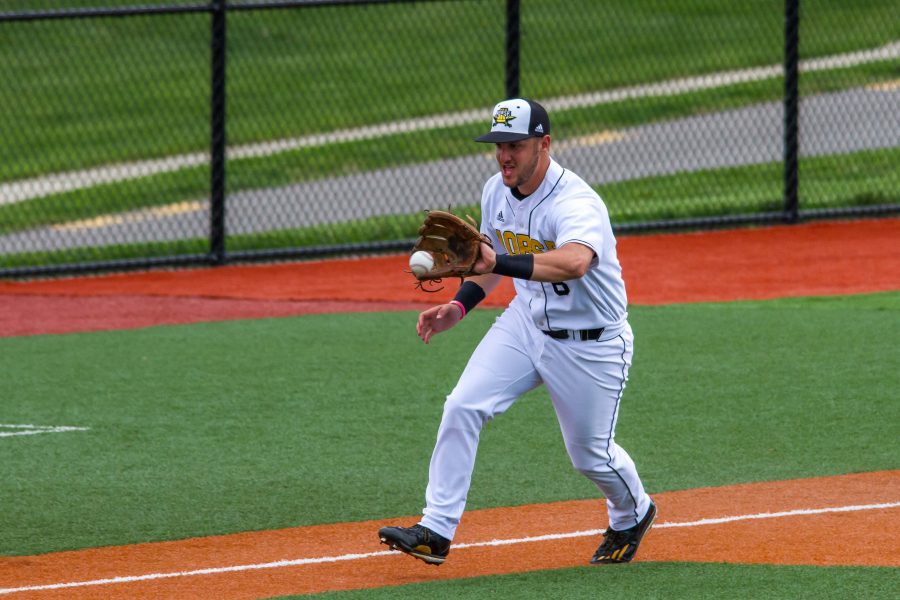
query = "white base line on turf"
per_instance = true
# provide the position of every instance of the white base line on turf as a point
(345, 557)
(36, 429)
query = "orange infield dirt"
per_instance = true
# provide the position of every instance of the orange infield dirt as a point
(797, 522)
(815, 259)
(740, 524)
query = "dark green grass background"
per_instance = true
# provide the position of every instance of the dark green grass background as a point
(246, 425)
(653, 581)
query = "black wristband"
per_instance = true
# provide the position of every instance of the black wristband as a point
(469, 295)
(520, 266)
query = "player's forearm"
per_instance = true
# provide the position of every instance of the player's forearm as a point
(488, 281)
(554, 266)
(473, 291)
(568, 262)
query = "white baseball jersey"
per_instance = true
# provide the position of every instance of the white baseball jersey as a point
(564, 209)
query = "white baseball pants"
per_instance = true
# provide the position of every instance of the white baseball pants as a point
(585, 380)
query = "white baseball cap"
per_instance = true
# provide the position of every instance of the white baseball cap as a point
(517, 119)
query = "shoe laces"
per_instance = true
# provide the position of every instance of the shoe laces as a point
(613, 538)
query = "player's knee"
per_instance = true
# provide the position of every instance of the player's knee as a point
(594, 472)
(461, 412)
(589, 462)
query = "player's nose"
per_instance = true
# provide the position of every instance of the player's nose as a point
(505, 161)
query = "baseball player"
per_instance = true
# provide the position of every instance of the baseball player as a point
(565, 328)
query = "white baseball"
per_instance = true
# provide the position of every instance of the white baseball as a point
(420, 263)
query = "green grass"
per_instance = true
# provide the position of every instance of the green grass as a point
(234, 426)
(858, 179)
(653, 581)
(344, 159)
(82, 93)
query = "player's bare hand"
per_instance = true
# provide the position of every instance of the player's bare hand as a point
(437, 319)
(487, 258)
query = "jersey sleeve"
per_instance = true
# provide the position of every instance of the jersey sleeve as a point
(582, 218)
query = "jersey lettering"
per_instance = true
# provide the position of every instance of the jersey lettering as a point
(561, 288)
(520, 243)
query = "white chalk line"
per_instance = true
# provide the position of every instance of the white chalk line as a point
(36, 429)
(18, 191)
(505, 542)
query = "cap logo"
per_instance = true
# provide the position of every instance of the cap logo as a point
(503, 117)
(539, 128)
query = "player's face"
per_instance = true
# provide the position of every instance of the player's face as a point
(518, 163)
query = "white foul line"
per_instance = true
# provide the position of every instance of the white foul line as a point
(35, 429)
(346, 557)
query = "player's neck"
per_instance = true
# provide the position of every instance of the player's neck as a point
(537, 178)
(517, 194)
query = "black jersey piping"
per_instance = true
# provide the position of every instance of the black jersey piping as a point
(612, 425)
(541, 201)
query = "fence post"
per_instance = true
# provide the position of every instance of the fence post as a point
(791, 108)
(512, 48)
(217, 134)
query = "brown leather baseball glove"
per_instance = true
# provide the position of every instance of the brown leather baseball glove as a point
(453, 244)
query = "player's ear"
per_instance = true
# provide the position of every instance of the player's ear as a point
(545, 144)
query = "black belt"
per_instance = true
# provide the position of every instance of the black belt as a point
(579, 334)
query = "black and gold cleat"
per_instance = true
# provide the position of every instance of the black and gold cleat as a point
(417, 541)
(620, 546)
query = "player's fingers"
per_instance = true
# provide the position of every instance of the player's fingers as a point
(424, 319)
(432, 321)
(427, 332)
(425, 326)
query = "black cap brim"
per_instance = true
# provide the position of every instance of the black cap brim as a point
(496, 137)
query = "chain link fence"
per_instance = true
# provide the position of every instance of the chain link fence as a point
(204, 132)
